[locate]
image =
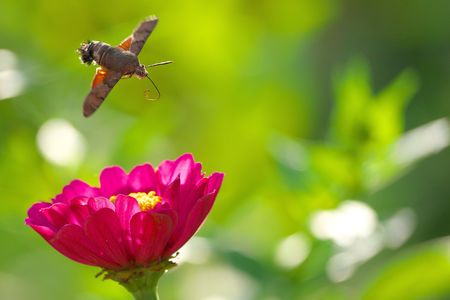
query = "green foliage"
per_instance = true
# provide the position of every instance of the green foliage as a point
(421, 274)
(354, 160)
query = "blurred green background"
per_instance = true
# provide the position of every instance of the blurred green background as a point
(328, 117)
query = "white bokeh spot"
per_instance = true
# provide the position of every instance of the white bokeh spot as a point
(196, 251)
(292, 251)
(12, 81)
(60, 143)
(350, 221)
(422, 141)
(399, 228)
(341, 267)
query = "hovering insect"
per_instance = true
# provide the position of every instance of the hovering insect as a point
(115, 63)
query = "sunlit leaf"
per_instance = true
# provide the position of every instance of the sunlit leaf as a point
(422, 273)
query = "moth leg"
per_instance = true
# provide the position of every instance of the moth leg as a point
(127, 76)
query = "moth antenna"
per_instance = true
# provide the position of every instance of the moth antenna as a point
(160, 64)
(157, 90)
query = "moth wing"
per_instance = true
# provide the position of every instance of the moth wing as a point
(102, 84)
(141, 34)
(126, 43)
(99, 76)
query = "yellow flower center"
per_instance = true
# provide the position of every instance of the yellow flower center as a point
(146, 201)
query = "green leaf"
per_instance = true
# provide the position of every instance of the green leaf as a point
(421, 274)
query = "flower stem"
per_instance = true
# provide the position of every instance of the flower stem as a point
(144, 287)
(142, 282)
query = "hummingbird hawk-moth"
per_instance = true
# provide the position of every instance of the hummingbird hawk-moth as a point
(115, 63)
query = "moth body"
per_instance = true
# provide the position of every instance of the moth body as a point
(112, 58)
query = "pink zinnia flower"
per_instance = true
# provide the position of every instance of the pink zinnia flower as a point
(132, 220)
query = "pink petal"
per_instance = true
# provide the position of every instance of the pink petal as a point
(126, 208)
(191, 225)
(169, 170)
(191, 197)
(79, 211)
(46, 232)
(98, 203)
(73, 243)
(113, 181)
(142, 178)
(193, 176)
(79, 201)
(57, 214)
(214, 182)
(187, 200)
(76, 188)
(150, 233)
(39, 222)
(35, 215)
(172, 194)
(103, 229)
